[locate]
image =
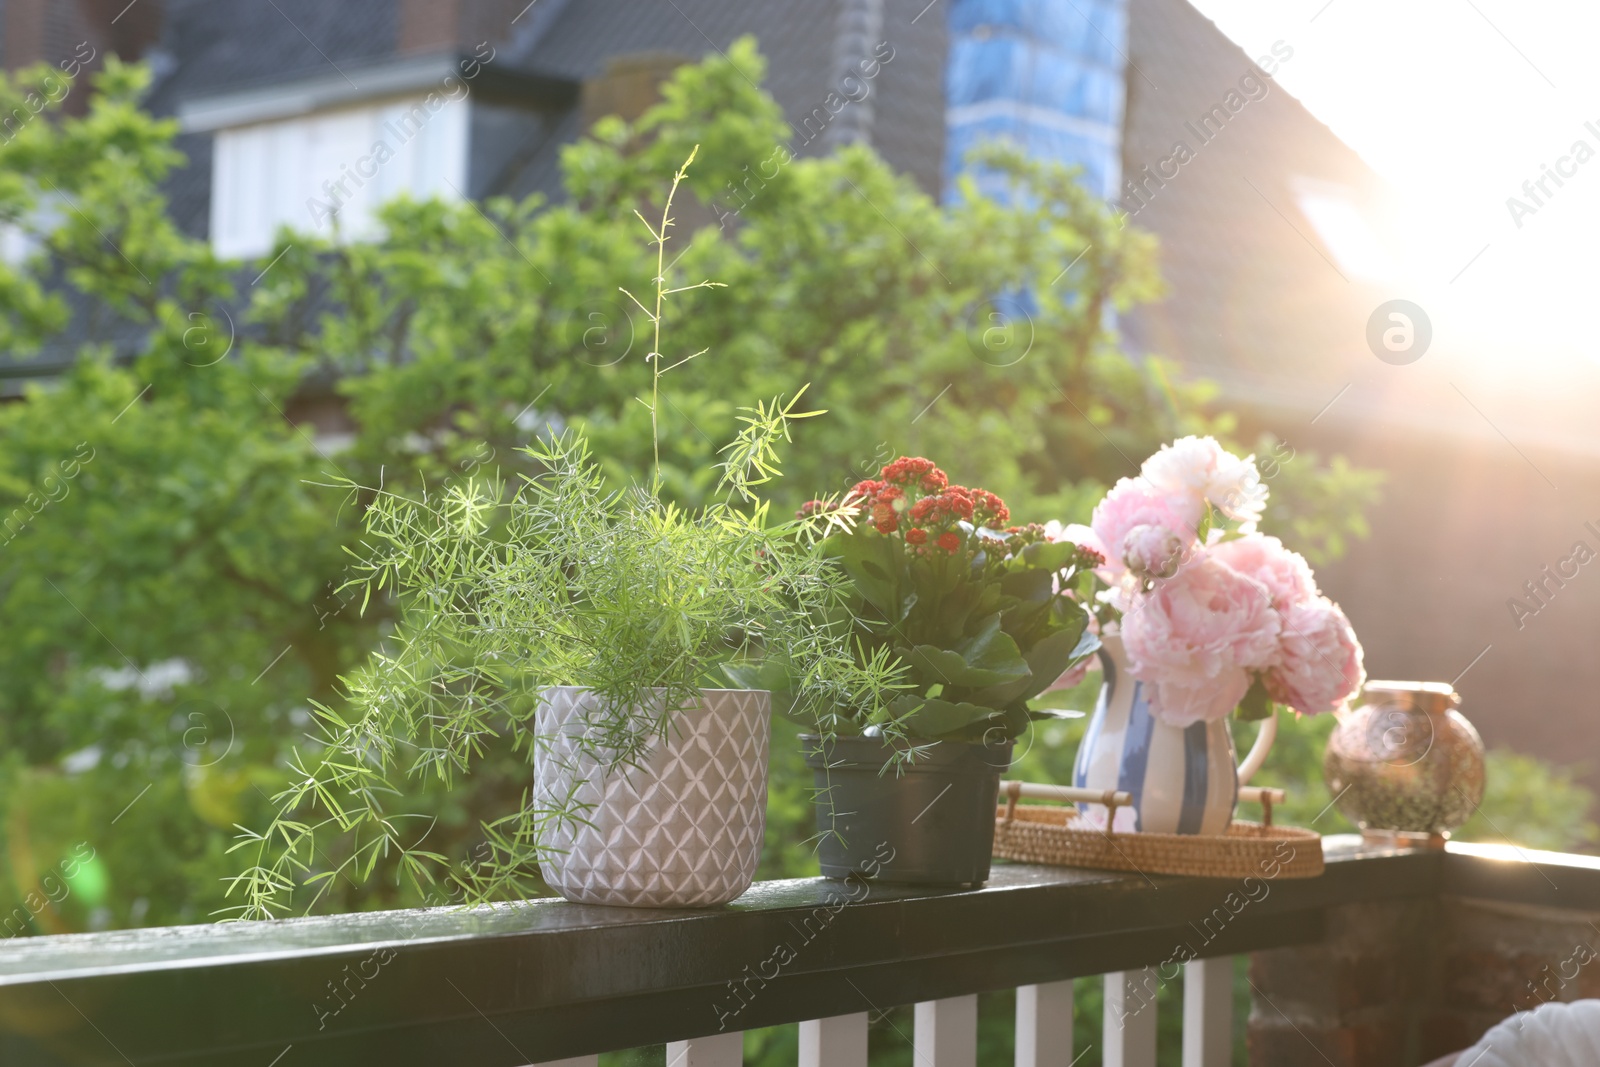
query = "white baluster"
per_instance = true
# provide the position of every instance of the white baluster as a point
(1044, 1025)
(1130, 1021)
(837, 1042)
(718, 1050)
(574, 1061)
(947, 1032)
(1208, 1012)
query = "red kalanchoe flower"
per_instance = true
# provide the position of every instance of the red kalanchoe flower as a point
(914, 470)
(886, 508)
(864, 491)
(929, 511)
(989, 509)
(950, 542)
(916, 536)
(881, 502)
(810, 508)
(873, 492)
(943, 509)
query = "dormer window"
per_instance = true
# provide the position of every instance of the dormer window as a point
(333, 169)
(1345, 231)
(322, 155)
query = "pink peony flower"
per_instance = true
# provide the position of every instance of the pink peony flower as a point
(1286, 574)
(1196, 637)
(1200, 467)
(1152, 551)
(1127, 820)
(1320, 665)
(1072, 676)
(1180, 705)
(1134, 502)
(1077, 533)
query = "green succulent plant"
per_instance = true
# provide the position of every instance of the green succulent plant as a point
(976, 617)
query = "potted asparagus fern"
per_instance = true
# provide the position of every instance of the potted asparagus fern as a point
(588, 625)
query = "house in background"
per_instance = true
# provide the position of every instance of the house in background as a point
(1273, 234)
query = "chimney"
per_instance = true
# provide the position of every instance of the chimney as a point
(630, 85)
(23, 32)
(76, 36)
(459, 25)
(429, 25)
(54, 31)
(129, 30)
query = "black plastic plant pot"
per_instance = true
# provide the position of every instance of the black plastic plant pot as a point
(932, 823)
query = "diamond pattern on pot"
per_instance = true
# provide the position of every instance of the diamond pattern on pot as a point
(682, 828)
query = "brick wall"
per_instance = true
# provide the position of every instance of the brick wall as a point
(1350, 1000)
(1399, 983)
(1497, 959)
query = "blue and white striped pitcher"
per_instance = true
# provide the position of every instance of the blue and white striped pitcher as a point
(1182, 779)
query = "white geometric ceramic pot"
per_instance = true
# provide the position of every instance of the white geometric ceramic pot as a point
(682, 828)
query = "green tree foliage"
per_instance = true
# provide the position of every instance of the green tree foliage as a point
(168, 604)
(164, 553)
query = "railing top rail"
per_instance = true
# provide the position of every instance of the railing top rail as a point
(515, 984)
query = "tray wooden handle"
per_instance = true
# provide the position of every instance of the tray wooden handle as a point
(1265, 797)
(1071, 794)
(1112, 799)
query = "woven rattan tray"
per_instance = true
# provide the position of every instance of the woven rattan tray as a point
(1058, 836)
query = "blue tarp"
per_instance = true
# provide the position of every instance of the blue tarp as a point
(1046, 75)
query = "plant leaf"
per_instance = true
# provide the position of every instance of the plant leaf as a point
(1047, 660)
(775, 676)
(1257, 703)
(933, 717)
(870, 563)
(1049, 556)
(988, 658)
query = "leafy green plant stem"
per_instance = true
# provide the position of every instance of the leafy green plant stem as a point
(662, 292)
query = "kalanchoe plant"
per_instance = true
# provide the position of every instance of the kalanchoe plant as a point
(979, 616)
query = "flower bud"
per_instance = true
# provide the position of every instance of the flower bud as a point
(1152, 551)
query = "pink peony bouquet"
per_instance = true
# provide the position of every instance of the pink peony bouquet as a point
(1212, 614)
